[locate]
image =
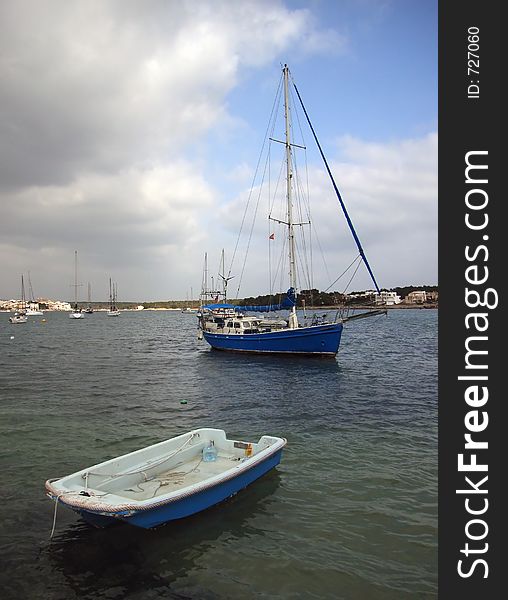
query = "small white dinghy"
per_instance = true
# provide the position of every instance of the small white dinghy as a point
(18, 317)
(167, 481)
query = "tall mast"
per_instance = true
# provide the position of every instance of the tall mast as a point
(293, 322)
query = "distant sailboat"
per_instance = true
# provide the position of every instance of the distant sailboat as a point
(32, 304)
(89, 309)
(76, 311)
(188, 309)
(113, 310)
(20, 315)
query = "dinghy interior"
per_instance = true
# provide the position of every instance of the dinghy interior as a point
(168, 473)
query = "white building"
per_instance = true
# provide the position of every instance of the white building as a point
(416, 297)
(388, 298)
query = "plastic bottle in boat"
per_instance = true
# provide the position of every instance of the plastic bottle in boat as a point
(210, 452)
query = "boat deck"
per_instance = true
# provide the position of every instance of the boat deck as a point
(181, 476)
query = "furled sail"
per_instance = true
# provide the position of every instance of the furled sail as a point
(287, 303)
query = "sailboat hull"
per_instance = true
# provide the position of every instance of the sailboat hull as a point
(319, 340)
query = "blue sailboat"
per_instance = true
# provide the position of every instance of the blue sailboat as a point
(226, 326)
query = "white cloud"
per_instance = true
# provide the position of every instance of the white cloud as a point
(328, 41)
(143, 220)
(103, 107)
(390, 192)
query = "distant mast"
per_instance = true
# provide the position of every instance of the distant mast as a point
(23, 297)
(75, 279)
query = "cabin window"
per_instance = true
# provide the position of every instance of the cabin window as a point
(238, 325)
(230, 323)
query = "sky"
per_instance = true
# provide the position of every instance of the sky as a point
(130, 132)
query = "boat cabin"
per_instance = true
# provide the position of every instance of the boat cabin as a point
(236, 323)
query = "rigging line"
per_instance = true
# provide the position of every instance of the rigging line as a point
(251, 230)
(299, 198)
(322, 254)
(294, 104)
(352, 277)
(279, 270)
(343, 206)
(301, 203)
(301, 255)
(303, 252)
(275, 104)
(306, 199)
(268, 224)
(343, 273)
(279, 263)
(304, 146)
(311, 256)
(276, 191)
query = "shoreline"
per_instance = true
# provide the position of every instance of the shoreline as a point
(433, 306)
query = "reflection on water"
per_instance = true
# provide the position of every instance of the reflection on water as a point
(217, 359)
(351, 507)
(137, 560)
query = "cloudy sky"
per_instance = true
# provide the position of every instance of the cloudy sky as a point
(130, 132)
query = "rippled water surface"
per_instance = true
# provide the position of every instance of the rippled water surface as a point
(351, 511)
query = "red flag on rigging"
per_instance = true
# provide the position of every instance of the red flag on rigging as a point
(272, 237)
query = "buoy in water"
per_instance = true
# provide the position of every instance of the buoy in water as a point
(12, 337)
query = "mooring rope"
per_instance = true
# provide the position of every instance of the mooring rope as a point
(54, 517)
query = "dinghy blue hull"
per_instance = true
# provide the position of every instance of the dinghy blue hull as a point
(317, 340)
(184, 507)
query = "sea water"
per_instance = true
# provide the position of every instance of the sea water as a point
(351, 511)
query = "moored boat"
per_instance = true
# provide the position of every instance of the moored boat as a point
(113, 310)
(224, 325)
(76, 312)
(18, 318)
(167, 481)
(20, 315)
(32, 309)
(89, 308)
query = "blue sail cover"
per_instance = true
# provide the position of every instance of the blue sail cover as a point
(288, 303)
(214, 306)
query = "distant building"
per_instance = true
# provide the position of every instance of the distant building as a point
(388, 298)
(367, 296)
(416, 297)
(53, 304)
